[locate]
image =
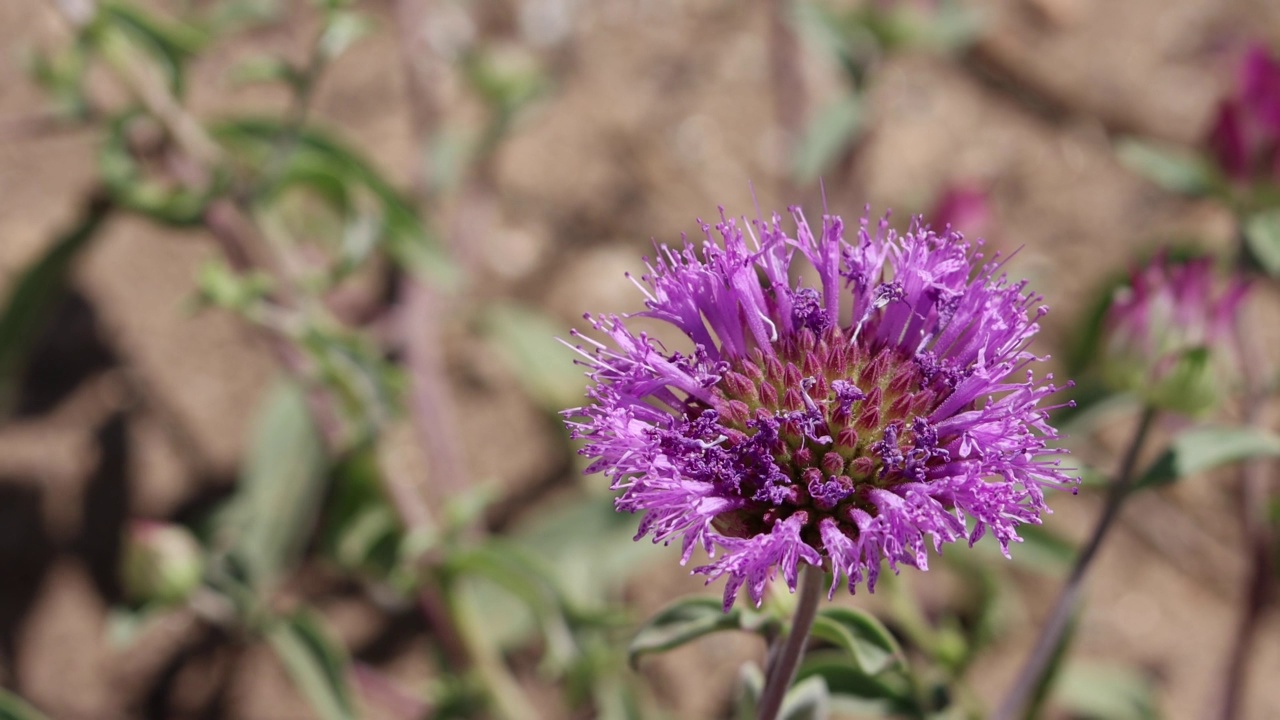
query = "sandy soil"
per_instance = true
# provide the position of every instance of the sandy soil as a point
(662, 114)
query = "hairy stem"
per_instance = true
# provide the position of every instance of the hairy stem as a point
(1033, 672)
(785, 661)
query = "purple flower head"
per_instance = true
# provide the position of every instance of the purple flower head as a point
(887, 405)
(1245, 136)
(1168, 331)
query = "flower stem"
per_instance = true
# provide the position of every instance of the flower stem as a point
(782, 668)
(1033, 672)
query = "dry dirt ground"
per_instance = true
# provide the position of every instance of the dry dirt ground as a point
(663, 113)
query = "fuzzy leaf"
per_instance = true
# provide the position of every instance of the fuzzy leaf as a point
(342, 30)
(750, 688)
(1262, 236)
(861, 635)
(526, 339)
(831, 133)
(684, 621)
(849, 686)
(318, 155)
(1172, 169)
(1206, 448)
(317, 664)
(281, 485)
(807, 700)
(1106, 693)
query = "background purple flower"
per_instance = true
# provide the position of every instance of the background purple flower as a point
(888, 406)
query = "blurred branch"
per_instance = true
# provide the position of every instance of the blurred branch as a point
(1255, 498)
(1038, 666)
(418, 325)
(420, 333)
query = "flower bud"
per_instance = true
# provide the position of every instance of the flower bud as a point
(162, 563)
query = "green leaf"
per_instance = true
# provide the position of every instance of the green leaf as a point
(1173, 169)
(342, 29)
(589, 545)
(368, 387)
(750, 688)
(686, 620)
(1097, 692)
(220, 286)
(317, 155)
(807, 700)
(1206, 448)
(317, 664)
(831, 133)
(269, 520)
(529, 581)
(61, 73)
(850, 687)
(36, 292)
(1262, 237)
(361, 530)
(1041, 550)
(132, 188)
(169, 43)
(13, 707)
(264, 70)
(860, 634)
(507, 78)
(527, 340)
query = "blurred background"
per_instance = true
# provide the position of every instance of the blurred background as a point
(278, 378)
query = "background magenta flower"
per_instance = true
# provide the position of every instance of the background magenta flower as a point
(840, 425)
(963, 205)
(1245, 137)
(1171, 334)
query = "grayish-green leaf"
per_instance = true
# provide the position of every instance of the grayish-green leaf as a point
(169, 43)
(527, 340)
(681, 622)
(1096, 692)
(316, 663)
(807, 700)
(342, 30)
(1206, 448)
(1262, 233)
(264, 69)
(860, 634)
(319, 159)
(281, 485)
(750, 688)
(831, 133)
(1173, 169)
(1041, 550)
(849, 686)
